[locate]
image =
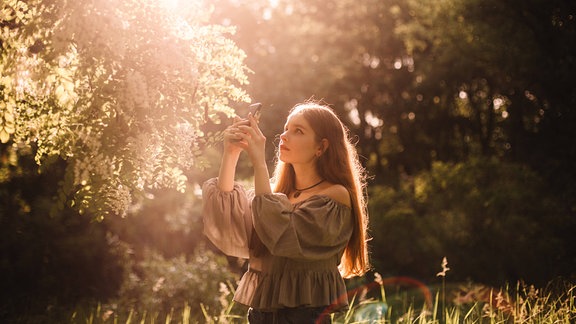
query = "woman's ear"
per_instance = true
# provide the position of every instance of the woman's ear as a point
(322, 147)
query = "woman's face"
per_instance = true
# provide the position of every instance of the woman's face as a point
(298, 143)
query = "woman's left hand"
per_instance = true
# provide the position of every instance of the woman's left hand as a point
(254, 141)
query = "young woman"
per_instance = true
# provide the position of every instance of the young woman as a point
(302, 234)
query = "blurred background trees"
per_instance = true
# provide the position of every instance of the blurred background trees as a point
(428, 87)
(463, 112)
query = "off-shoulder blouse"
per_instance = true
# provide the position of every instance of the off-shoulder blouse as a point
(304, 242)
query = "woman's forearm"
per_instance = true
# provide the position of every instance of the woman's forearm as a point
(227, 171)
(261, 179)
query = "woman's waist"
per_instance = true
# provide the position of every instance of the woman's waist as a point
(310, 284)
(275, 263)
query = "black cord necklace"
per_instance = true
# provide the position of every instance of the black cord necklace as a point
(297, 192)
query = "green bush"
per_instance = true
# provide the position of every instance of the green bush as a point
(49, 260)
(495, 221)
(163, 286)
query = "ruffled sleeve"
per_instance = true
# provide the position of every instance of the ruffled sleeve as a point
(227, 218)
(314, 229)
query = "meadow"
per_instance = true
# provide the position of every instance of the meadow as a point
(378, 302)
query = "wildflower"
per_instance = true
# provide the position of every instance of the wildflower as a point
(378, 278)
(107, 314)
(224, 289)
(159, 284)
(444, 268)
(224, 293)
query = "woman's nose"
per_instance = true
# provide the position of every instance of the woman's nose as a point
(283, 137)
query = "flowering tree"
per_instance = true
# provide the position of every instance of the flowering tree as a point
(117, 89)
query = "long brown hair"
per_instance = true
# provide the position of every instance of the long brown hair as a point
(338, 164)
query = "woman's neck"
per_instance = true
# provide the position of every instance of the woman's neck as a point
(305, 176)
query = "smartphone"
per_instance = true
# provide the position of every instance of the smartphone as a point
(256, 110)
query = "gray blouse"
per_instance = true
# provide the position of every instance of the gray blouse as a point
(304, 242)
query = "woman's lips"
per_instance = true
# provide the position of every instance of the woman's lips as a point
(284, 148)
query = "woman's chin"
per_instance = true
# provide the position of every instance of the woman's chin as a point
(282, 157)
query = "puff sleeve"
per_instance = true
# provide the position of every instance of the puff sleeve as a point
(315, 229)
(226, 217)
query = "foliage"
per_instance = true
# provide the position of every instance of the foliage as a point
(456, 209)
(330, 50)
(162, 286)
(48, 263)
(152, 259)
(172, 290)
(479, 91)
(168, 222)
(479, 79)
(118, 90)
(419, 82)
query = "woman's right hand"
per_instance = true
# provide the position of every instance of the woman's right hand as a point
(233, 146)
(233, 142)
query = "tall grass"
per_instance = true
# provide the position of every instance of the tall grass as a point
(472, 304)
(452, 304)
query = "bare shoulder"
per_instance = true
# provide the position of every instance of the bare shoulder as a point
(339, 193)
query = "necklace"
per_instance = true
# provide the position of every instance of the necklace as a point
(297, 191)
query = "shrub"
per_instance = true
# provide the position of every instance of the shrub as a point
(162, 286)
(499, 213)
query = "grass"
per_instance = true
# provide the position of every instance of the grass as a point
(387, 301)
(468, 304)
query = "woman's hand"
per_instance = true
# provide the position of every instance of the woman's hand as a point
(253, 141)
(232, 149)
(243, 135)
(233, 142)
